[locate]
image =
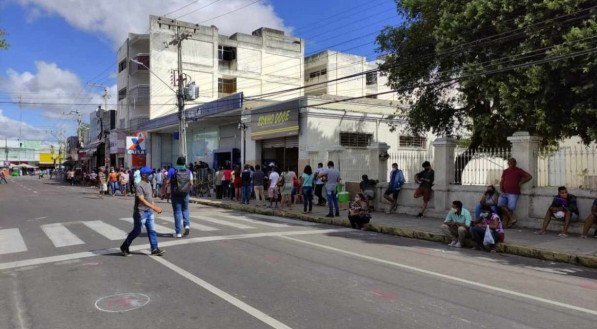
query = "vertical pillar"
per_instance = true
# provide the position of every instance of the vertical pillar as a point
(443, 164)
(378, 162)
(524, 150)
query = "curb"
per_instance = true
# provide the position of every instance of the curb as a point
(507, 248)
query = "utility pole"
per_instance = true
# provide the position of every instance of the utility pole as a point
(180, 95)
(105, 135)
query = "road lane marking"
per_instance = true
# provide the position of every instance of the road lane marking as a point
(222, 222)
(447, 277)
(195, 226)
(284, 220)
(107, 230)
(60, 235)
(249, 220)
(158, 228)
(11, 241)
(178, 242)
(257, 314)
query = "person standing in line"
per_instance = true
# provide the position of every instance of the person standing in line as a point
(236, 183)
(143, 215)
(319, 185)
(331, 176)
(286, 189)
(218, 182)
(425, 180)
(258, 177)
(306, 182)
(510, 184)
(124, 182)
(159, 181)
(246, 177)
(394, 186)
(227, 177)
(181, 181)
(103, 182)
(272, 191)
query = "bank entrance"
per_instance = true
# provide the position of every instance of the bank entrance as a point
(283, 152)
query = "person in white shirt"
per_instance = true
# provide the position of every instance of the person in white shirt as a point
(272, 191)
(319, 185)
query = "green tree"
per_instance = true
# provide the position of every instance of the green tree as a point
(3, 43)
(465, 67)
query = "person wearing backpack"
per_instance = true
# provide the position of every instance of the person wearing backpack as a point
(246, 177)
(181, 180)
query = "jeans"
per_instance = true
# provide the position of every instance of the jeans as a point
(508, 199)
(320, 199)
(144, 217)
(113, 187)
(246, 189)
(226, 189)
(332, 201)
(307, 198)
(180, 208)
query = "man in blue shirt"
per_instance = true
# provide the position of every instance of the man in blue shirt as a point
(457, 224)
(394, 186)
(181, 180)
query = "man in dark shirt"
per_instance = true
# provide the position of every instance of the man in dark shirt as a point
(563, 207)
(425, 180)
(143, 215)
(512, 179)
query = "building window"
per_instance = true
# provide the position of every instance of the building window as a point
(226, 86)
(355, 139)
(226, 53)
(371, 78)
(413, 141)
(122, 94)
(122, 65)
(316, 74)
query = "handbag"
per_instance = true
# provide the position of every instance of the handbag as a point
(488, 239)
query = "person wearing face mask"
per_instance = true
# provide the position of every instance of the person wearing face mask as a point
(358, 213)
(487, 218)
(490, 198)
(457, 224)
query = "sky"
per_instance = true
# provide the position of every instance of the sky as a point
(63, 52)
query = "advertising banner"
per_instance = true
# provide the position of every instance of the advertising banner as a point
(136, 144)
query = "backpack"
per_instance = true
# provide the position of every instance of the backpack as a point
(182, 182)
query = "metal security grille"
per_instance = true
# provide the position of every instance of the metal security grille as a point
(226, 86)
(413, 141)
(355, 139)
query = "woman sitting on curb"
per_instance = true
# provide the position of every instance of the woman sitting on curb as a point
(487, 218)
(358, 214)
(490, 198)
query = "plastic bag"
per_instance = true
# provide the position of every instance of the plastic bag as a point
(488, 239)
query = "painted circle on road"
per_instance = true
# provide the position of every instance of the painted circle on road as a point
(121, 302)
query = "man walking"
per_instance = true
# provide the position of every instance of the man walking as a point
(181, 180)
(143, 215)
(331, 177)
(394, 186)
(319, 185)
(512, 180)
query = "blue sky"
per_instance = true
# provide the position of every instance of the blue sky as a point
(57, 47)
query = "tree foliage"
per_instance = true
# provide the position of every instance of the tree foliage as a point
(3, 43)
(487, 68)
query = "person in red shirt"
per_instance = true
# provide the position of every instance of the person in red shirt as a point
(227, 177)
(512, 179)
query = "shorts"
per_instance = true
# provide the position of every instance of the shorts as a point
(423, 192)
(104, 187)
(394, 193)
(508, 199)
(272, 192)
(573, 217)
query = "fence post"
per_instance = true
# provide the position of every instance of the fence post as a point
(443, 164)
(524, 150)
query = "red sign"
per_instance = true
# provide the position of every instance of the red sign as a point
(138, 160)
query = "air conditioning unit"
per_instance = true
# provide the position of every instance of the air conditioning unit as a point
(191, 92)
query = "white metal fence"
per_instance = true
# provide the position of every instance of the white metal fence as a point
(573, 167)
(481, 166)
(410, 162)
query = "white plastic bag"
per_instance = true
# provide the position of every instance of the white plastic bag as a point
(488, 239)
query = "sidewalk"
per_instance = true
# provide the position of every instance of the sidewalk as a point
(522, 242)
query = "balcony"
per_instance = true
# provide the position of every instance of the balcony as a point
(136, 68)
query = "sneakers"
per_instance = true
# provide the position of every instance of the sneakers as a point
(157, 252)
(453, 243)
(337, 214)
(187, 230)
(420, 215)
(178, 236)
(457, 245)
(124, 251)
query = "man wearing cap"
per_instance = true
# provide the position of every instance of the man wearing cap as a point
(181, 180)
(143, 215)
(563, 207)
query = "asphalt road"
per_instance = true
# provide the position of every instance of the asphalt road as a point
(59, 268)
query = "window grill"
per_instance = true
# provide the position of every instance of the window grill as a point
(351, 139)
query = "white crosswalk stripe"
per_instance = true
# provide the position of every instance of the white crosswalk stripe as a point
(222, 222)
(60, 235)
(194, 226)
(158, 228)
(248, 220)
(107, 230)
(11, 241)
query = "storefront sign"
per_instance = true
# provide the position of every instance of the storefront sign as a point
(136, 144)
(267, 123)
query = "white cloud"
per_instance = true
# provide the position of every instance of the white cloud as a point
(11, 129)
(114, 19)
(50, 89)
